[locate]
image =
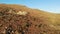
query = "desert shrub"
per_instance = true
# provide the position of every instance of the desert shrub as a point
(40, 25)
(9, 30)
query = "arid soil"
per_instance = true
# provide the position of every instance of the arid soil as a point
(15, 20)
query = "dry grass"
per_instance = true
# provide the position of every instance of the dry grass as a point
(40, 20)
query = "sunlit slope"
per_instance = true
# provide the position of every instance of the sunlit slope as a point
(50, 17)
(49, 20)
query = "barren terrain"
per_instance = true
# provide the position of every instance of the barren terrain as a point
(18, 19)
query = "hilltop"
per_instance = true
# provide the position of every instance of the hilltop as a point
(19, 19)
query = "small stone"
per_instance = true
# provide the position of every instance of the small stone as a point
(0, 25)
(5, 27)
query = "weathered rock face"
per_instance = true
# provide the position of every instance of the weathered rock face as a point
(21, 22)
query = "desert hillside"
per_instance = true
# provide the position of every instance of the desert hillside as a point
(19, 19)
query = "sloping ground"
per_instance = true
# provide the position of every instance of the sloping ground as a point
(17, 19)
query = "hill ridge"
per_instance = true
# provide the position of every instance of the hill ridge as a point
(24, 20)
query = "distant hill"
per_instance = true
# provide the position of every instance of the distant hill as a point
(19, 19)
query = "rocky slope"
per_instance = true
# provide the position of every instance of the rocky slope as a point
(17, 19)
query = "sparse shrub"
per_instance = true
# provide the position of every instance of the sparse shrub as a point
(9, 30)
(40, 25)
